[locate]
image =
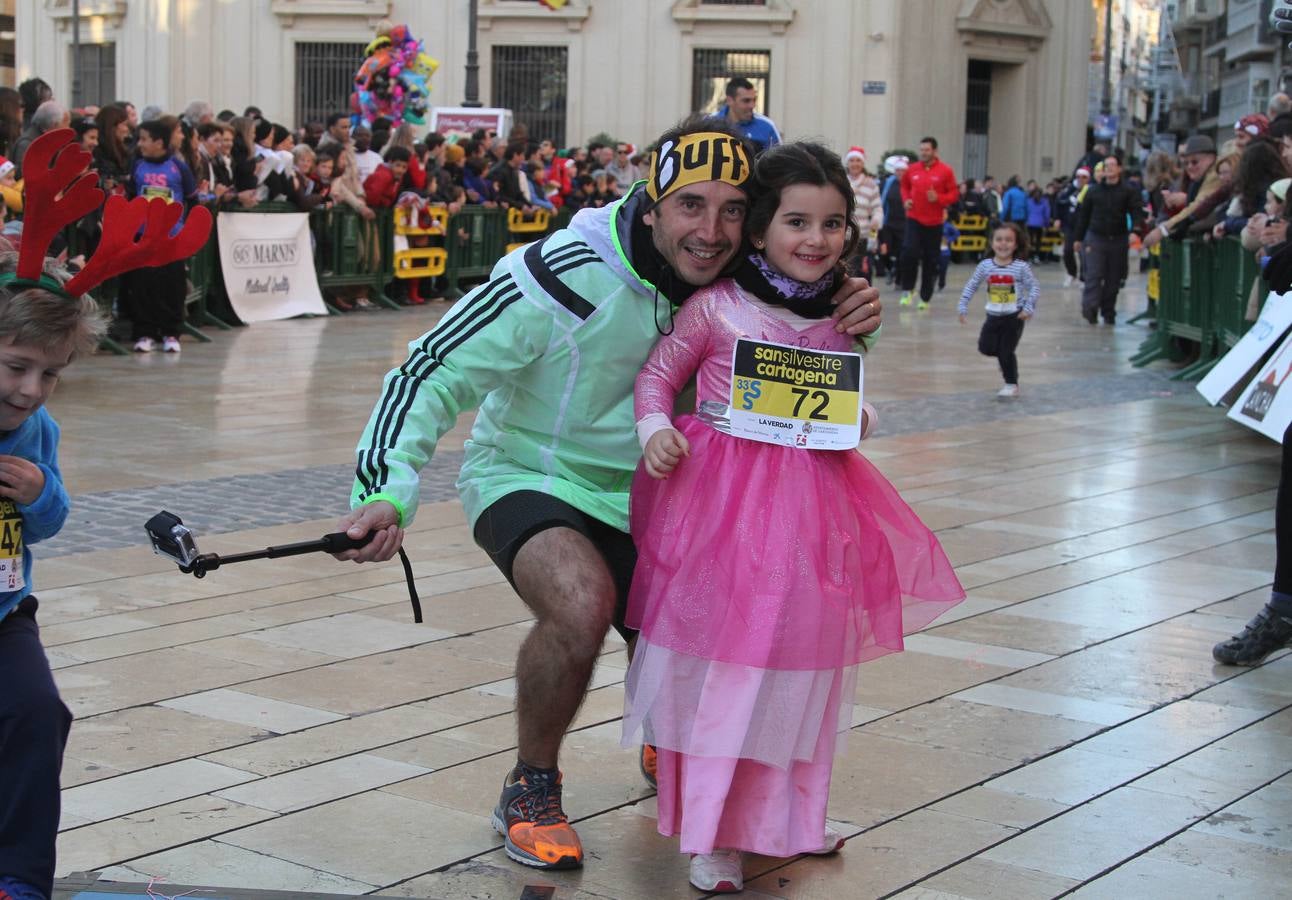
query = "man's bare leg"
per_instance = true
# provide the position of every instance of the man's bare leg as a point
(565, 581)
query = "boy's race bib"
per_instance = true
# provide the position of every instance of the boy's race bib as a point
(157, 190)
(10, 547)
(796, 397)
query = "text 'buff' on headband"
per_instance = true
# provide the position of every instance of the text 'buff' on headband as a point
(696, 158)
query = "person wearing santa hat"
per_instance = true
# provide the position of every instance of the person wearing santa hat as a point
(894, 213)
(10, 189)
(868, 214)
(1066, 211)
(1249, 127)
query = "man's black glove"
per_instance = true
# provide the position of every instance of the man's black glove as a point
(1278, 271)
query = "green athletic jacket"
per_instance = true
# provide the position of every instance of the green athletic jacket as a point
(548, 350)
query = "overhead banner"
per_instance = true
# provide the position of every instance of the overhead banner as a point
(1261, 338)
(1266, 404)
(268, 266)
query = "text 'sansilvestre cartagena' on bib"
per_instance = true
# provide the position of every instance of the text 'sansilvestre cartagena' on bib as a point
(795, 397)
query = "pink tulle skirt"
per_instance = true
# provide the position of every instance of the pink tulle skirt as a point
(765, 575)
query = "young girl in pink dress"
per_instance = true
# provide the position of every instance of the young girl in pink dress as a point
(766, 572)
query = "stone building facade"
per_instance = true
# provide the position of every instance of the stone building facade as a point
(1001, 83)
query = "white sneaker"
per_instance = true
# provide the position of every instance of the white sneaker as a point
(718, 871)
(145, 345)
(1067, 280)
(170, 344)
(1008, 392)
(832, 843)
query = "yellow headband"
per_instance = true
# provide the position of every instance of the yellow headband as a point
(696, 158)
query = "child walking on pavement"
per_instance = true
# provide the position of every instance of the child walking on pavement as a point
(47, 320)
(767, 572)
(1011, 301)
(40, 333)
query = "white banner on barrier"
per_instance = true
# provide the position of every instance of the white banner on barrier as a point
(1266, 404)
(1264, 335)
(268, 266)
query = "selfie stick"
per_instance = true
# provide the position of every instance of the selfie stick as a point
(171, 539)
(338, 542)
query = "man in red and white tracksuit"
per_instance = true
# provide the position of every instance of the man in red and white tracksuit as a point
(928, 189)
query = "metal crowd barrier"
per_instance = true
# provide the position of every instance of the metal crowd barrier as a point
(351, 251)
(1203, 288)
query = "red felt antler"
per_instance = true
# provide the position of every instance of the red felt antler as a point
(137, 233)
(59, 189)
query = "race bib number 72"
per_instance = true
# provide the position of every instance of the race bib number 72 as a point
(795, 396)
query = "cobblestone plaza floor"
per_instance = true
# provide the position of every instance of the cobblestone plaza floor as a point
(282, 725)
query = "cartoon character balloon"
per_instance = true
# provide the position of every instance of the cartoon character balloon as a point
(394, 80)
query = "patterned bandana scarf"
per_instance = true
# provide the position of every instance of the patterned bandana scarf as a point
(811, 300)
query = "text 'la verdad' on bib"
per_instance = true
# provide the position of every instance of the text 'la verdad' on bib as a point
(795, 397)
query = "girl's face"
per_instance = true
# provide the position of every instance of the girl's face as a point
(324, 169)
(806, 236)
(855, 166)
(1225, 171)
(176, 139)
(90, 139)
(123, 129)
(1273, 206)
(1004, 243)
(305, 165)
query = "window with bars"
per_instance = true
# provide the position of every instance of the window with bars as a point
(325, 78)
(98, 71)
(532, 82)
(712, 69)
(7, 56)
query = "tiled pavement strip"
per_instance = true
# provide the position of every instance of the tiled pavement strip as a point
(282, 725)
(110, 519)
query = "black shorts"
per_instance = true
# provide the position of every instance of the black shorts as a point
(504, 527)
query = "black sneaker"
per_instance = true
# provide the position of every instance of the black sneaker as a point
(1264, 634)
(530, 817)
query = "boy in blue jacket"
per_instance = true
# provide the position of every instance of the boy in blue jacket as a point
(41, 332)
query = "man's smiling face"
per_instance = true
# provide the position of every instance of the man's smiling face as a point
(698, 229)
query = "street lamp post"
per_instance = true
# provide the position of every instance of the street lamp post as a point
(76, 53)
(1106, 106)
(473, 59)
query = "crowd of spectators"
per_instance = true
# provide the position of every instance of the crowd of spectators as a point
(246, 160)
(226, 160)
(229, 160)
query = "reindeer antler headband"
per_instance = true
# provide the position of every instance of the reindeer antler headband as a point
(60, 188)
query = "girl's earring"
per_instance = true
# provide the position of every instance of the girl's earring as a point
(758, 244)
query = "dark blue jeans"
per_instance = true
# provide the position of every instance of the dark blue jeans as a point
(34, 725)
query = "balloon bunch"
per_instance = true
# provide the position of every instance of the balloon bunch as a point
(394, 80)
